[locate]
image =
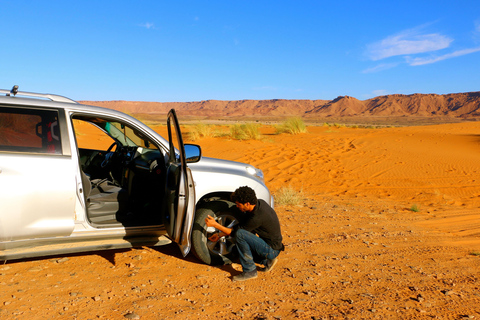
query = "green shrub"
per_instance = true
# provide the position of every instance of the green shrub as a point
(288, 196)
(414, 208)
(251, 129)
(200, 130)
(293, 125)
(247, 131)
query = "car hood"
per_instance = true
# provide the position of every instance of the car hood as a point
(207, 164)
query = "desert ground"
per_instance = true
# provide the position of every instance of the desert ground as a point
(387, 228)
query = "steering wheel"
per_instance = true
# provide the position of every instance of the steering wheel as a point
(109, 155)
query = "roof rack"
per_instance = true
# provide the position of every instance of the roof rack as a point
(51, 97)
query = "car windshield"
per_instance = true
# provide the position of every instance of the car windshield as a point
(122, 133)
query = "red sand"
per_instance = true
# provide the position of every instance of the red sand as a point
(355, 249)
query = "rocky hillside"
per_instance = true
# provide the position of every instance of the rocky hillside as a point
(455, 105)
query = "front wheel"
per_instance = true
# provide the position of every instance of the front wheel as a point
(210, 252)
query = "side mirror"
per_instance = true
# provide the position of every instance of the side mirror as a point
(193, 153)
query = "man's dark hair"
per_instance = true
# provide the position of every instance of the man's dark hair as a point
(243, 195)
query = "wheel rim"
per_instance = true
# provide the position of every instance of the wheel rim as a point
(224, 245)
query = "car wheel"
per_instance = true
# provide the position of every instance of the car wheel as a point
(222, 251)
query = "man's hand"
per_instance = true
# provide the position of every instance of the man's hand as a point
(210, 221)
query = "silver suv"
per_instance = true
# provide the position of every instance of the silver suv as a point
(77, 178)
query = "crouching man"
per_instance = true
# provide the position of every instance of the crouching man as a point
(258, 219)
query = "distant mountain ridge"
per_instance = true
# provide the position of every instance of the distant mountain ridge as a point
(456, 105)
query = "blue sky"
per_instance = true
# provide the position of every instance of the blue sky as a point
(233, 50)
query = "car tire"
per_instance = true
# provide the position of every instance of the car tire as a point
(220, 252)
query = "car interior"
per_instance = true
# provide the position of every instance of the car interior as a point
(123, 173)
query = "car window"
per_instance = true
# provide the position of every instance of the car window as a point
(99, 134)
(89, 136)
(30, 130)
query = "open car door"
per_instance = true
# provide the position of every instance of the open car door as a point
(179, 190)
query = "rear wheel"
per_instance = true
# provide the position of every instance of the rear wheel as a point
(222, 251)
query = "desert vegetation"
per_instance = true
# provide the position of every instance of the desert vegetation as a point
(414, 208)
(247, 131)
(293, 125)
(200, 130)
(243, 131)
(288, 196)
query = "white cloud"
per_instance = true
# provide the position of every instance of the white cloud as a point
(416, 47)
(407, 42)
(148, 25)
(380, 67)
(428, 60)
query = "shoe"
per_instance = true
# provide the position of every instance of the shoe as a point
(245, 276)
(270, 264)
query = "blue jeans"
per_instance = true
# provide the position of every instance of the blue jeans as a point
(253, 249)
